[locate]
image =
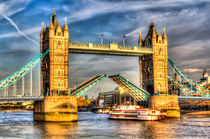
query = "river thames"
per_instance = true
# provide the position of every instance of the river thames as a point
(20, 124)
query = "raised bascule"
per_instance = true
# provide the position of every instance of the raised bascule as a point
(59, 103)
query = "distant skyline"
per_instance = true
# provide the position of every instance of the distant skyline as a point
(187, 24)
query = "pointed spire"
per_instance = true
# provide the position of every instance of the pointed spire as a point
(164, 33)
(51, 24)
(204, 71)
(54, 14)
(152, 23)
(54, 19)
(140, 40)
(159, 37)
(42, 27)
(66, 26)
(140, 36)
(153, 32)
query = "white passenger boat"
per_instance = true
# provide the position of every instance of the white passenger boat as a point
(150, 114)
(134, 112)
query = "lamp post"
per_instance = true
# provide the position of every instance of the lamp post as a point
(102, 39)
(124, 40)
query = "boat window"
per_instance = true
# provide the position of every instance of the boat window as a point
(153, 111)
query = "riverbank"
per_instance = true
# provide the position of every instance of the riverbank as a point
(199, 113)
(4, 110)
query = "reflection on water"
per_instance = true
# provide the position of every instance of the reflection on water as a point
(56, 130)
(20, 125)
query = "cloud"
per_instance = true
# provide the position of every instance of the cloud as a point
(193, 70)
(11, 7)
(18, 30)
(89, 9)
(26, 31)
(6, 11)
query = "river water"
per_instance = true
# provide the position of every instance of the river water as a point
(20, 124)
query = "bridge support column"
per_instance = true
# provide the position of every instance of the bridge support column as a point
(23, 87)
(56, 108)
(31, 84)
(14, 89)
(166, 103)
(6, 91)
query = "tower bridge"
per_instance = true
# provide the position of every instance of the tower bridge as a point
(153, 59)
(152, 53)
(59, 103)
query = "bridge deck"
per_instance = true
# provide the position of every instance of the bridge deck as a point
(21, 98)
(112, 49)
(194, 98)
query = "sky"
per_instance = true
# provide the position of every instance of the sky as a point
(187, 24)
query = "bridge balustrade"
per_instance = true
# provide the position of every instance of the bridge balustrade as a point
(112, 47)
(101, 46)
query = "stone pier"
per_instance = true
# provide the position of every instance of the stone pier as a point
(56, 108)
(166, 103)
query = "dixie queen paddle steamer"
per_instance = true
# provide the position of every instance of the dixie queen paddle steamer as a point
(135, 112)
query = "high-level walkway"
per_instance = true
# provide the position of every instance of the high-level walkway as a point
(112, 49)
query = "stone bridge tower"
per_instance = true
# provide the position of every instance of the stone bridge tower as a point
(54, 67)
(57, 105)
(154, 73)
(154, 67)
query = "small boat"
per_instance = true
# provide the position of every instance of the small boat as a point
(135, 112)
(8, 111)
(103, 111)
(150, 114)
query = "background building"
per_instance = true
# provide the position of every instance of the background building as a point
(119, 96)
(205, 80)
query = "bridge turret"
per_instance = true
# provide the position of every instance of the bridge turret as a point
(41, 36)
(51, 29)
(140, 40)
(54, 20)
(59, 31)
(164, 36)
(153, 35)
(54, 14)
(159, 40)
(42, 30)
(65, 29)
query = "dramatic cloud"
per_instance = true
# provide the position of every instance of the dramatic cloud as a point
(192, 70)
(18, 30)
(15, 34)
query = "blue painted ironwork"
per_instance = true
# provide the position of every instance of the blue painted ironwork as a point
(177, 83)
(138, 88)
(11, 79)
(84, 87)
(194, 98)
(143, 94)
(188, 79)
(134, 88)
